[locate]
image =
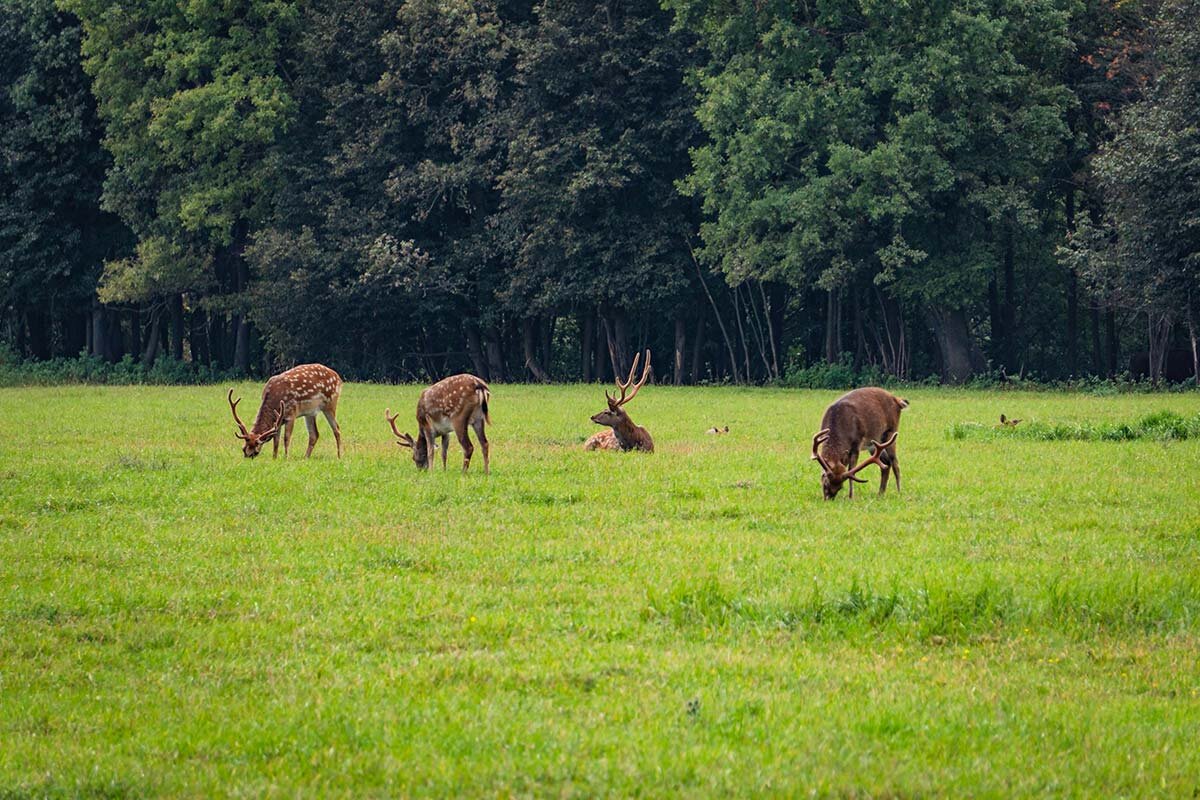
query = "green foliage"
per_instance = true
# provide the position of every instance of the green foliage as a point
(1159, 426)
(52, 231)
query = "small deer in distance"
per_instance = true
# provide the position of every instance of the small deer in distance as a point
(623, 433)
(450, 405)
(864, 415)
(299, 392)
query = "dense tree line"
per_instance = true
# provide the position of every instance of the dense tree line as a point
(537, 190)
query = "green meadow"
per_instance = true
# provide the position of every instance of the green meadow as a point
(176, 620)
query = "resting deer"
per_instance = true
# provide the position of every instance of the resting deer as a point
(1011, 423)
(624, 435)
(854, 419)
(300, 392)
(449, 405)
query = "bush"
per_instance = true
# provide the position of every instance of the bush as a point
(89, 369)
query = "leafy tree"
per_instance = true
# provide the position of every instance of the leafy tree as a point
(53, 235)
(1147, 251)
(194, 101)
(900, 145)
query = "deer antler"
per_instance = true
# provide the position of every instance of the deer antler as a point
(874, 459)
(819, 439)
(233, 407)
(625, 386)
(406, 440)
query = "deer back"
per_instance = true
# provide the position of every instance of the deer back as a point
(857, 417)
(300, 390)
(457, 397)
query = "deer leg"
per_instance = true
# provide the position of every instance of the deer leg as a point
(311, 423)
(430, 447)
(895, 467)
(287, 435)
(275, 445)
(445, 448)
(331, 417)
(464, 439)
(885, 463)
(478, 425)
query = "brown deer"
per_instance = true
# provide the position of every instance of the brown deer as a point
(624, 435)
(1010, 423)
(864, 415)
(300, 392)
(449, 405)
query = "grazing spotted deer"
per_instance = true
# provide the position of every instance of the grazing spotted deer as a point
(624, 435)
(864, 415)
(300, 392)
(449, 405)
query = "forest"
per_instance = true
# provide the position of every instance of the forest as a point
(534, 191)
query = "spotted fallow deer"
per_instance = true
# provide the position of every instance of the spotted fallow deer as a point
(623, 434)
(864, 415)
(300, 392)
(449, 405)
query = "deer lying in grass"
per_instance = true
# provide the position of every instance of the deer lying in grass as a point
(624, 435)
(300, 392)
(1009, 423)
(449, 405)
(864, 415)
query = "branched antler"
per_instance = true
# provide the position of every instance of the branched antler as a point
(819, 439)
(233, 404)
(405, 439)
(624, 387)
(874, 459)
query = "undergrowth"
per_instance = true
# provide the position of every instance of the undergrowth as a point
(1158, 426)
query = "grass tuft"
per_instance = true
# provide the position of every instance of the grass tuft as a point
(1159, 426)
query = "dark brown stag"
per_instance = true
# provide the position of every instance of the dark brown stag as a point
(624, 434)
(868, 415)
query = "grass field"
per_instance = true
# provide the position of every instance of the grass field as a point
(177, 620)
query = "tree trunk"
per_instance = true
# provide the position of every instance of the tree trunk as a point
(587, 328)
(737, 315)
(769, 313)
(599, 346)
(99, 332)
(529, 345)
(199, 338)
(150, 353)
(833, 327)
(1097, 347)
(716, 313)
(860, 340)
(680, 347)
(1160, 338)
(1011, 359)
(958, 353)
(241, 350)
(1192, 337)
(475, 352)
(38, 339)
(495, 356)
(548, 326)
(1114, 345)
(698, 351)
(176, 306)
(1072, 295)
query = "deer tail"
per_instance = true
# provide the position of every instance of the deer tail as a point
(484, 395)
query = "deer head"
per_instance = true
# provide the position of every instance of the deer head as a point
(834, 475)
(252, 443)
(615, 415)
(420, 452)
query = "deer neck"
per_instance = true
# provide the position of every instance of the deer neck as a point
(266, 416)
(628, 434)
